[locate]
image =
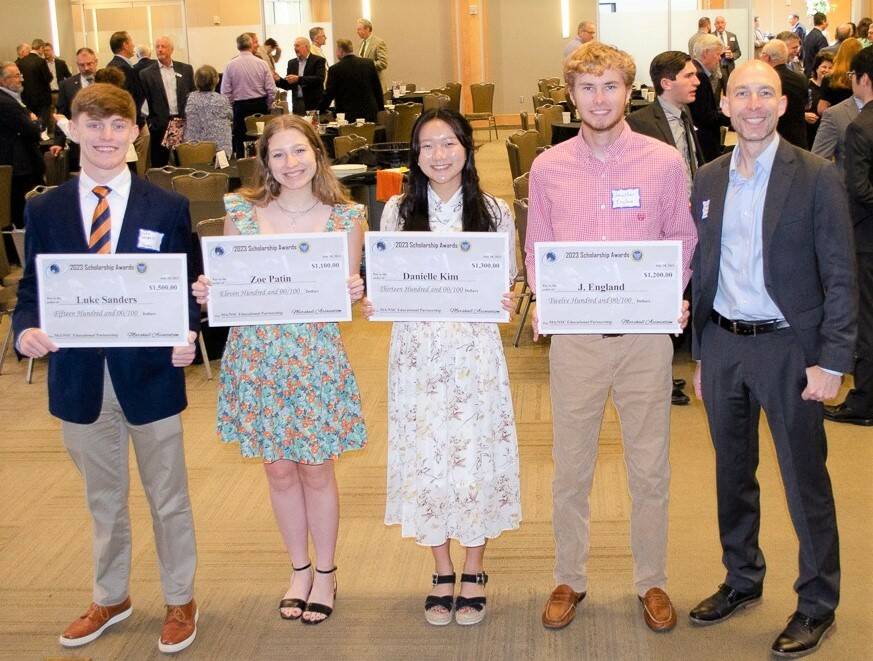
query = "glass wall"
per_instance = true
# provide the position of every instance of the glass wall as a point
(94, 21)
(645, 28)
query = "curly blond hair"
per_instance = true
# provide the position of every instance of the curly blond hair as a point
(595, 58)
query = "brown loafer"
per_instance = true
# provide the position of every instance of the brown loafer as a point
(180, 628)
(94, 622)
(658, 612)
(561, 607)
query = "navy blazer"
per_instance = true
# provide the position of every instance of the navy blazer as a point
(809, 260)
(148, 387)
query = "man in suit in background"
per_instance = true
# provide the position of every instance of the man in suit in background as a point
(37, 93)
(793, 42)
(106, 396)
(373, 48)
(843, 32)
(830, 140)
(857, 408)
(667, 119)
(796, 27)
(792, 123)
(143, 55)
(774, 329)
(57, 68)
(121, 45)
(304, 78)
(353, 84)
(249, 87)
(731, 51)
(704, 26)
(814, 42)
(19, 140)
(86, 63)
(166, 85)
(704, 109)
(318, 38)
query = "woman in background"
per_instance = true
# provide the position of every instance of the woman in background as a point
(208, 114)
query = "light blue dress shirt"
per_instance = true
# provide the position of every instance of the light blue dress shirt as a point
(741, 293)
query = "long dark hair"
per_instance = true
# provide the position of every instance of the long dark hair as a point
(480, 209)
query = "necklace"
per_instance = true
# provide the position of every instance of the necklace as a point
(296, 213)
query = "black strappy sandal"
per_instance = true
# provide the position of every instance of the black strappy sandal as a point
(293, 603)
(314, 607)
(476, 604)
(436, 617)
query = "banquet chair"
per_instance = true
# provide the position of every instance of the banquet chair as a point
(453, 91)
(8, 299)
(527, 294)
(540, 100)
(558, 94)
(512, 153)
(194, 153)
(367, 130)
(200, 186)
(433, 101)
(343, 144)
(8, 274)
(483, 106)
(520, 186)
(163, 177)
(547, 116)
(248, 171)
(527, 143)
(407, 113)
(545, 84)
(207, 227)
(388, 119)
(252, 121)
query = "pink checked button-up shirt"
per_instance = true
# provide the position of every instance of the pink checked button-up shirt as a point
(571, 196)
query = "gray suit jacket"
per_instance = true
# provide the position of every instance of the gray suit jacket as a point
(830, 141)
(809, 261)
(377, 50)
(653, 122)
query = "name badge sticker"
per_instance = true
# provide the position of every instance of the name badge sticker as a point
(149, 240)
(626, 198)
(704, 211)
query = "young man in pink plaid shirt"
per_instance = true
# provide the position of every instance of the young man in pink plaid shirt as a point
(573, 198)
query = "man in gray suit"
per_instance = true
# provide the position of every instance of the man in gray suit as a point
(774, 328)
(843, 32)
(373, 48)
(830, 141)
(731, 51)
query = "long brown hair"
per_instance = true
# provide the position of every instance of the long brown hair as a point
(325, 186)
(839, 77)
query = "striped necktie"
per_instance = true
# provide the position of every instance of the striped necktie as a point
(101, 224)
(363, 47)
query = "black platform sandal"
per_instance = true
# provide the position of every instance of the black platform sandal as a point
(314, 607)
(439, 618)
(476, 604)
(293, 603)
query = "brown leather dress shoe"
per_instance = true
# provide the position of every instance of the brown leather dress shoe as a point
(561, 607)
(658, 612)
(180, 628)
(94, 622)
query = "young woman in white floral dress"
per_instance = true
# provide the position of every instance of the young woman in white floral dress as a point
(452, 450)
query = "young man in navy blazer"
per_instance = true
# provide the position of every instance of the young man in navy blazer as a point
(105, 396)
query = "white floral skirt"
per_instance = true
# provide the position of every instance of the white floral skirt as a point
(452, 447)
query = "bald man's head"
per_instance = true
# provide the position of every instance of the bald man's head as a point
(754, 102)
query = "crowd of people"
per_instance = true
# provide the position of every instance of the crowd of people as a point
(776, 252)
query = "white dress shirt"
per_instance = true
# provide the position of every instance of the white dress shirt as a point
(120, 187)
(168, 77)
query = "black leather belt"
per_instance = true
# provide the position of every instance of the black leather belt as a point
(739, 327)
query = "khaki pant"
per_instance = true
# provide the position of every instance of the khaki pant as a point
(100, 452)
(638, 370)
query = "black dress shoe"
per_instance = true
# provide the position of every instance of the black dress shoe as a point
(803, 635)
(842, 413)
(679, 398)
(722, 605)
(678, 383)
